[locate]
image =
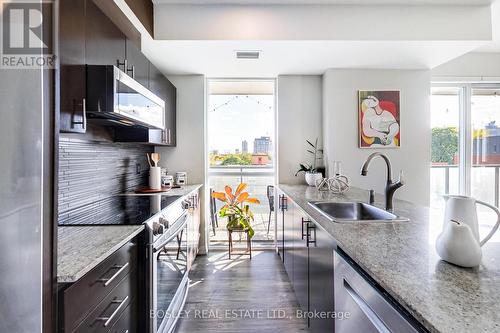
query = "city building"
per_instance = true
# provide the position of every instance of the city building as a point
(244, 146)
(262, 145)
(260, 159)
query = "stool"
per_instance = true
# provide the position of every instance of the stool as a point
(249, 242)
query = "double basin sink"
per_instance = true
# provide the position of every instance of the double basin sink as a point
(344, 212)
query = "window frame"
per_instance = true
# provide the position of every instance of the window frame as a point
(465, 127)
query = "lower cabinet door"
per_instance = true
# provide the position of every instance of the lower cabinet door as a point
(127, 323)
(321, 280)
(280, 223)
(300, 260)
(288, 238)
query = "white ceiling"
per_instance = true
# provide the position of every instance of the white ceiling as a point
(217, 58)
(325, 2)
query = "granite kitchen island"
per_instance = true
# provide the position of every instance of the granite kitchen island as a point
(401, 258)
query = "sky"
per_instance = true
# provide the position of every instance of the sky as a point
(445, 110)
(238, 118)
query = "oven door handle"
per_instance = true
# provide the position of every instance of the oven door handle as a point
(158, 246)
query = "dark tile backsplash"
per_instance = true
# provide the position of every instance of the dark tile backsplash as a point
(92, 172)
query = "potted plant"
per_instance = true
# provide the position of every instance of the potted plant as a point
(236, 208)
(311, 170)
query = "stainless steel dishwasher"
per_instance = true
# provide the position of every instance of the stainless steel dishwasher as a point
(369, 310)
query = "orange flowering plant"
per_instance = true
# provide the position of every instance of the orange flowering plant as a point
(236, 207)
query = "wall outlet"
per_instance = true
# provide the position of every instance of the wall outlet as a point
(137, 168)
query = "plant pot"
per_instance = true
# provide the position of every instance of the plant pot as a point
(311, 177)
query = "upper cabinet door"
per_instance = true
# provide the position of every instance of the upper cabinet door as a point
(105, 43)
(171, 113)
(162, 87)
(72, 63)
(137, 64)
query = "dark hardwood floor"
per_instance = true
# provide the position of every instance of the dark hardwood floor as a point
(240, 295)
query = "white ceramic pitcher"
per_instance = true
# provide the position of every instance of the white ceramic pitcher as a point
(463, 208)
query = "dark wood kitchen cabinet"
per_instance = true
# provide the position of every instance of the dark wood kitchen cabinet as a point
(162, 87)
(86, 36)
(89, 37)
(303, 236)
(288, 237)
(72, 84)
(307, 253)
(107, 297)
(280, 224)
(137, 63)
(104, 41)
(321, 293)
(294, 246)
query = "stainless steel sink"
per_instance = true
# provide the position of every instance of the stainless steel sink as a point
(354, 212)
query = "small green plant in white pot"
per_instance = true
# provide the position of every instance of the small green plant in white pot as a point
(311, 173)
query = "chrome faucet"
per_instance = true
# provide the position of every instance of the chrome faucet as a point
(390, 186)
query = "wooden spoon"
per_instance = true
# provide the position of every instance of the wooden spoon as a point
(156, 158)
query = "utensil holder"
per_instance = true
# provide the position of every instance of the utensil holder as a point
(155, 178)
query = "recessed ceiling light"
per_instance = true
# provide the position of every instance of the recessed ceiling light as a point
(248, 54)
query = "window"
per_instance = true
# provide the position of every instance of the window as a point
(445, 155)
(465, 156)
(241, 145)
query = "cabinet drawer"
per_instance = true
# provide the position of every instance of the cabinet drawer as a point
(87, 292)
(127, 323)
(107, 313)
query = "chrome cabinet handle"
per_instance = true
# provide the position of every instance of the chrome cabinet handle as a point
(169, 136)
(124, 64)
(304, 221)
(84, 115)
(308, 234)
(283, 203)
(131, 69)
(366, 309)
(107, 320)
(108, 281)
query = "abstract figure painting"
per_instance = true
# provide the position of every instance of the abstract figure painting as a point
(379, 123)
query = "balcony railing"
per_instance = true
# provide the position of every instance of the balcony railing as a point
(485, 181)
(257, 178)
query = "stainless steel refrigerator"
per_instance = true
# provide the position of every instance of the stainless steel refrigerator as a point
(26, 198)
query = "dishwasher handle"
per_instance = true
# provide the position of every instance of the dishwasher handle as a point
(365, 308)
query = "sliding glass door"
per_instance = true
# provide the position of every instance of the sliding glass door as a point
(485, 122)
(465, 151)
(445, 141)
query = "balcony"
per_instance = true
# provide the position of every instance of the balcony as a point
(257, 178)
(485, 181)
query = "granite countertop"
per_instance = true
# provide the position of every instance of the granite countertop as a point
(80, 249)
(401, 257)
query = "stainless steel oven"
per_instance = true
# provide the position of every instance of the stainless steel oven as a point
(168, 280)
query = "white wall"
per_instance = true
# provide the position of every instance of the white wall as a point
(189, 155)
(474, 65)
(340, 128)
(299, 118)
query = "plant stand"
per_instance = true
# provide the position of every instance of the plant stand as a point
(248, 249)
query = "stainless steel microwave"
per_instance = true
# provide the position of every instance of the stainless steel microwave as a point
(118, 99)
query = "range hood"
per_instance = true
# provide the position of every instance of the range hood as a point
(116, 99)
